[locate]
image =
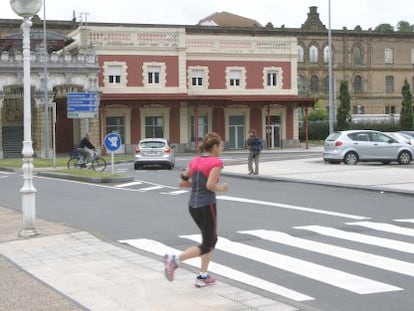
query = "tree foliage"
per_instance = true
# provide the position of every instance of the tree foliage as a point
(386, 28)
(404, 26)
(343, 116)
(407, 114)
(318, 113)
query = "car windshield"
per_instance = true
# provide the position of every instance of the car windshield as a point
(152, 144)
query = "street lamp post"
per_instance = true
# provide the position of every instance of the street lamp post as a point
(26, 9)
(330, 82)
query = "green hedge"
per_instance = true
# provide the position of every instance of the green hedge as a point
(319, 130)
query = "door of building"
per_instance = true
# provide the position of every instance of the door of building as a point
(273, 131)
(64, 128)
(236, 132)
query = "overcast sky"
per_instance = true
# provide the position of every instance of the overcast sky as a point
(291, 13)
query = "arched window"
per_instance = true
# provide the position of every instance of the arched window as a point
(358, 84)
(301, 54)
(326, 85)
(357, 55)
(314, 84)
(313, 54)
(326, 54)
(301, 85)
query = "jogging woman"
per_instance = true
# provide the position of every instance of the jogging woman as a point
(202, 175)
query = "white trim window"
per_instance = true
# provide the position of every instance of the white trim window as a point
(115, 74)
(272, 77)
(154, 74)
(197, 77)
(389, 55)
(236, 77)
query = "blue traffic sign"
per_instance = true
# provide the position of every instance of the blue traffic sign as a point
(112, 142)
(82, 104)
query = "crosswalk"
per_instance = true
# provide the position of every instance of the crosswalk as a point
(264, 247)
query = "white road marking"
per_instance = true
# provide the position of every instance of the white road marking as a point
(383, 227)
(405, 220)
(313, 271)
(292, 207)
(161, 249)
(150, 188)
(129, 184)
(361, 238)
(3, 176)
(372, 260)
(176, 192)
(7, 173)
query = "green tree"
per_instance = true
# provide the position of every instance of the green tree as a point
(404, 26)
(343, 116)
(407, 114)
(318, 113)
(384, 28)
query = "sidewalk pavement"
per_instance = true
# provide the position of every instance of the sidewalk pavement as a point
(64, 268)
(369, 176)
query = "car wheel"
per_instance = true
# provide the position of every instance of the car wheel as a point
(404, 157)
(137, 166)
(351, 158)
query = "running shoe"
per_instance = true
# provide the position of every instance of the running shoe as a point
(201, 282)
(170, 267)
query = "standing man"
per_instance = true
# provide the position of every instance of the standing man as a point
(255, 146)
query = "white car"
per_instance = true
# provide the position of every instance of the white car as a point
(366, 145)
(154, 152)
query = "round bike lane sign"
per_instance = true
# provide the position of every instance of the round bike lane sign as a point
(112, 142)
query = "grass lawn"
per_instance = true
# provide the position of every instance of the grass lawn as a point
(60, 161)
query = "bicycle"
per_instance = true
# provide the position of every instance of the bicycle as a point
(96, 162)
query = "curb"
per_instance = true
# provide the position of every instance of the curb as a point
(318, 183)
(87, 179)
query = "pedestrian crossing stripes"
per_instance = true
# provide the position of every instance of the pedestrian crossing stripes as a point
(376, 261)
(352, 281)
(161, 249)
(384, 227)
(361, 238)
(405, 220)
(310, 270)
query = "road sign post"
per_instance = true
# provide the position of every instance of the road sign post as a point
(112, 143)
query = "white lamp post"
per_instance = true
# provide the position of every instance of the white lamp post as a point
(26, 9)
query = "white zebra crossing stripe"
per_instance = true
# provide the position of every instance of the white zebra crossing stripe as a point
(161, 249)
(405, 220)
(376, 261)
(383, 227)
(361, 238)
(310, 270)
(292, 207)
(150, 188)
(176, 192)
(129, 184)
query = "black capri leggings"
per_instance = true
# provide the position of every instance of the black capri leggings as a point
(206, 219)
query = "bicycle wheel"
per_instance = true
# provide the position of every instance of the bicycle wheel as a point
(72, 163)
(99, 164)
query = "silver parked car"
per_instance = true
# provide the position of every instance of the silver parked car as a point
(154, 152)
(365, 145)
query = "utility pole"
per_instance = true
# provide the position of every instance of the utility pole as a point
(45, 83)
(330, 85)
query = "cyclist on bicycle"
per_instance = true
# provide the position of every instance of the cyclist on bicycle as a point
(85, 149)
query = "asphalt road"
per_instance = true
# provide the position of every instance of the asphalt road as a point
(279, 233)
